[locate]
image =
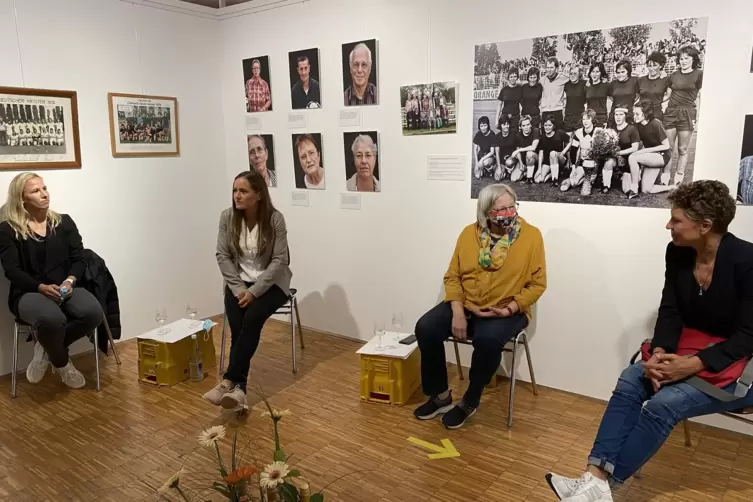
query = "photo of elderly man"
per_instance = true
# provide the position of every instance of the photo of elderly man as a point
(360, 73)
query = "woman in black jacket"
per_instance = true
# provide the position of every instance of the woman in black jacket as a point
(40, 251)
(702, 341)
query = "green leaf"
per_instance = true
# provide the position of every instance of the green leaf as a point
(289, 492)
(294, 473)
(317, 497)
(279, 456)
(219, 488)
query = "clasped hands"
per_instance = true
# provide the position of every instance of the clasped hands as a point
(52, 291)
(460, 323)
(244, 299)
(663, 368)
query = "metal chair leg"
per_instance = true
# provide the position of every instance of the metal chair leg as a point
(112, 342)
(457, 359)
(292, 335)
(512, 381)
(298, 320)
(15, 361)
(686, 430)
(530, 364)
(96, 357)
(222, 348)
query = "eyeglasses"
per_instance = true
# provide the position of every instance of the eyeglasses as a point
(506, 209)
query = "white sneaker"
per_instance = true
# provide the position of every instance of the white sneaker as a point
(70, 376)
(587, 488)
(38, 365)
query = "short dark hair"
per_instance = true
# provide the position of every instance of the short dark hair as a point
(554, 60)
(647, 107)
(550, 118)
(303, 138)
(705, 200)
(658, 58)
(534, 71)
(301, 59)
(511, 71)
(483, 120)
(504, 119)
(625, 64)
(693, 53)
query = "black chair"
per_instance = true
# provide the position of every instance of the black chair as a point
(511, 346)
(21, 328)
(291, 309)
(738, 415)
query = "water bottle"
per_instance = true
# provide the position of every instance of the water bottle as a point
(195, 365)
(64, 291)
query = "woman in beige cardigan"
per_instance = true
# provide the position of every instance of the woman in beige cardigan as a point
(252, 252)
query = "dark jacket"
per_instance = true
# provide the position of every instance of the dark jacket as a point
(99, 282)
(725, 309)
(63, 259)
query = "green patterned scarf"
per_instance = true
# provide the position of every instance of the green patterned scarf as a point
(493, 257)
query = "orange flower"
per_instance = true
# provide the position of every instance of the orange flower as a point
(240, 474)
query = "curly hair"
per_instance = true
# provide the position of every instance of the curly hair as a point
(705, 200)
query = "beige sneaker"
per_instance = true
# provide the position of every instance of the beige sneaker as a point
(215, 395)
(70, 376)
(38, 365)
(235, 400)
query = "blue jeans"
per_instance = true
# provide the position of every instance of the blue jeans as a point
(638, 420)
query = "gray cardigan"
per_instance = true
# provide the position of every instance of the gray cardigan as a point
(275, 261)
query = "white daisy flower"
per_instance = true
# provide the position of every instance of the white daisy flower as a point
(209, 437)
(274, 474)
(172, 482)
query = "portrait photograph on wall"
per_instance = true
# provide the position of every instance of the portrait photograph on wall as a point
(362, 161)
(261, 156)
(745, 180)
(143, 126)
(606, 116)
(305, 90)
(307, 161)
(360, 85)
(257, 84)
(428, 108)
(38, 129)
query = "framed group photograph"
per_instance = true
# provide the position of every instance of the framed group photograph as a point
(362, 161)
(428, 108)
(257, 79)
(305, 90)
(143, 126)
(360, 73)
(38, 129)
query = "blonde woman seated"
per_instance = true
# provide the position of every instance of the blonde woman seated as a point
(495, 276)
(40, 251)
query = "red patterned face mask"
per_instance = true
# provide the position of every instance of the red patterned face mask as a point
(504, 218)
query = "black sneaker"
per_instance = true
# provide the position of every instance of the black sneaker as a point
(529, 181)
(433, 407)
(456, 417)
(631, 195)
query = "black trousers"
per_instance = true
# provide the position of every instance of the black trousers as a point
(489, 336)
(245, 330)
(59, 325)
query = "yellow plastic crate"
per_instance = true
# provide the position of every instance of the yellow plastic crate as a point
(165, 364)
(390, 380)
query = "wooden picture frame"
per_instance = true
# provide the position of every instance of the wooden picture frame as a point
(39, 129)
(143, 126)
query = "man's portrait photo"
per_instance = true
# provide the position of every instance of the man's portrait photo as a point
(257, 80)
(305, 91)
(360, 73)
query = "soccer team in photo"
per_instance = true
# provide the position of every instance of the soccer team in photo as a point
(31, 125)
(142, 124)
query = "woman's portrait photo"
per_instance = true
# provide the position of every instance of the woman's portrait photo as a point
(307, 161)
(258, 84)
(261, 157)
(362, 161)
(305, 91)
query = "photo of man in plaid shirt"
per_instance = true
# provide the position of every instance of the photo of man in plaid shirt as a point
(258, 96)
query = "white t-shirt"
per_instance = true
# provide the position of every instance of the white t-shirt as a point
(350, 184)
(318, 186)
(249, 272)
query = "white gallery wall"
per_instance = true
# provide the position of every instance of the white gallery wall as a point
(605, 264)
(153, 220)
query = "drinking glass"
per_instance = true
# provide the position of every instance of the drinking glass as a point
(397, 325)
(191, 314)
(379, 331)
(161, 317)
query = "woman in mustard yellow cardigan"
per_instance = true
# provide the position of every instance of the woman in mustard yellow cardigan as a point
(495, 276)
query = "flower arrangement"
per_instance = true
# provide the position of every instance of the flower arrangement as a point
(244, 479)
(605, 144)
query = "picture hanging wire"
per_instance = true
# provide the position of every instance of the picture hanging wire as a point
(138, 53)
(428, 49)
(18, 43)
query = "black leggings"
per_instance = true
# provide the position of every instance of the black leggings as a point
(245, 330)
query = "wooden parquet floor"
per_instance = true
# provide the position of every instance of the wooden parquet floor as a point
(122, 443)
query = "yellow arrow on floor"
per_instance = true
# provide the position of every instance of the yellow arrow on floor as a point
(447, 450)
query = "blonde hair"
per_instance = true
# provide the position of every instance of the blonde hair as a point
(16, 214)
